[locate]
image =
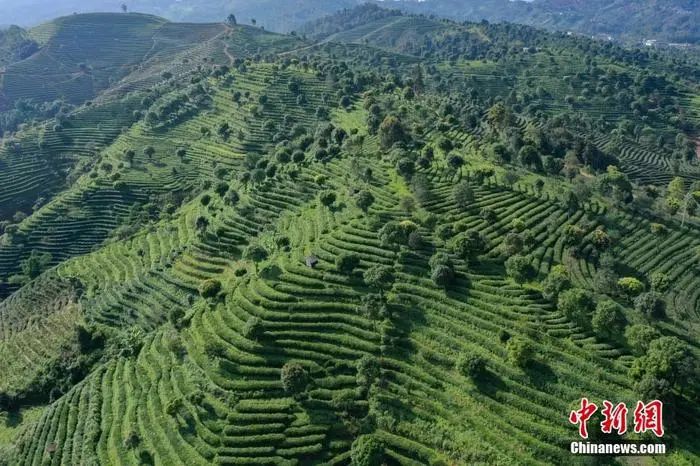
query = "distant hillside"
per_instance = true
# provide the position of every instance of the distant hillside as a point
(632, 20)
(275, 15)
(15, 45)
(56, 62)
(670, 20)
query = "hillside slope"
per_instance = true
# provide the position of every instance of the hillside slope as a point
(666, 20)
(411, 242)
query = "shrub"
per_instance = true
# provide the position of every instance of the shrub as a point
(396, 233)
(253, 328)
(463, 194)
(519, 268)
(660, 282)
(294, 378)
(415, 240)
(630, 286)
(327, 198)
(210, 288)
(573, 234)
(470, 365)
(520, 351)
(512, 244)
(174, 406)
(650, 304)
(368, 370)
(366, 450)
(372, 307)
(346, 263)
(443, 276)
(255, 253)
(488, 214)
(380, 277)
(221, 188)
(36, 263)
(666, 358)
(445, 232)
(556, 282)
(518, 224)
(639, 336)
(470, 245)
(601, 240)
(576, 304)
(364, 200)
(439, 259)
(607, 319)
(652, 388)
(231, 198)
(132, 439)
(126, 343)
(391, 131)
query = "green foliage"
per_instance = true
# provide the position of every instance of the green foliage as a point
(639, 336)
(651, 305)
(607, 319)
(35, 263)
(556, 282)
(667, 358)
(519, 268)
(443, 276)
(576, 304)
(346, 263)
(463, 194)
(660, 282)
(380, 277)
(368, 370)
(395, 233)
(127, 343)
(294, 378)
(366, 450)
(630, 287)
(470, 245)
(470, 365)
(255, 253)
(520, 351)
(391, 131)
(373, 307)
(327, 198)
(210, 288)
(253, 328)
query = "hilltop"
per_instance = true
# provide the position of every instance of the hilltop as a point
(398, 240)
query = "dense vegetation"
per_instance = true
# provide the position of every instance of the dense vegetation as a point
(402, 240)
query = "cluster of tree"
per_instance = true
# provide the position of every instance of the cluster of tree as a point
(27, 109)
(442, 270)
(175, 107)
(681, 201)
(666, 363)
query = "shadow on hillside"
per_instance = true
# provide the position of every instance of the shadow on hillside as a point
(490, 384)
(13, 418)
(541, 375)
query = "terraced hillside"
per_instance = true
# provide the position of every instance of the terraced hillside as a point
(383, 247)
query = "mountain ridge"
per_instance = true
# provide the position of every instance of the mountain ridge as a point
(624, 20)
